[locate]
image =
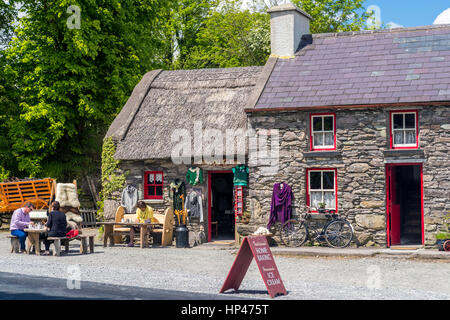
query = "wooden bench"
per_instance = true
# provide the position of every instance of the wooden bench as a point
(15, 244)
(64, 240)
(167, 219)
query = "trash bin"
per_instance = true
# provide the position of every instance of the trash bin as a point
(182, 236)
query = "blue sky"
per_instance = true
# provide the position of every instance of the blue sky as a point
(410, 13)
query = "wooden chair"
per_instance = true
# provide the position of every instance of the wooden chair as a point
(167, 219)
(118, 231)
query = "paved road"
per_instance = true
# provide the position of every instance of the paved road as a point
(25, 287)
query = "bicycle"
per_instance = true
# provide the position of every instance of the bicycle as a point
(337, 231)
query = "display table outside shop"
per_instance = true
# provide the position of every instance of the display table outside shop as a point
(144, 235)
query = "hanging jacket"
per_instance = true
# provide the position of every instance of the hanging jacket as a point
(281, 206)
(194, 176)
(177, 188)
(240, 175)
(193, 205)
(129, 199)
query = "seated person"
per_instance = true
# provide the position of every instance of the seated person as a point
(20, 220)
(56, 225)
(144, 213)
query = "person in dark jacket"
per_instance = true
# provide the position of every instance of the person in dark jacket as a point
(56, 225)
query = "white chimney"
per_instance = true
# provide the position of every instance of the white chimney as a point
(287, 26)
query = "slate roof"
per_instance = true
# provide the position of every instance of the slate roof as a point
(359, 68)
(164, 101)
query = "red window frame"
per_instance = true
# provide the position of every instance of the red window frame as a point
(311, 140)
(391, 129)
(308, 199)
(147, 185)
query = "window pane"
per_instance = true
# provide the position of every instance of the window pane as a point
(318, 139)
(328, 180)
(151, 191)
(398, 121)
(315, 181)
(317, 123)
(410, 136)
(316, 198)
(328, 123)
(329, 138)
(159, 191)
(159, 178)
(410, 121)
(398, 137)
(151, 178)
(329, 200)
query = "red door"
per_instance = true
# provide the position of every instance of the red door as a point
(393, 208)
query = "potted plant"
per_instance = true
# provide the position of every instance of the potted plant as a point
(321, 207)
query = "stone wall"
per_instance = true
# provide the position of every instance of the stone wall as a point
(360, 158)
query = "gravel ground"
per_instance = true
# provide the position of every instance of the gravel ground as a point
(203, 269)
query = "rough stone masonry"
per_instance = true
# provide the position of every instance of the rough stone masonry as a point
(361, 153)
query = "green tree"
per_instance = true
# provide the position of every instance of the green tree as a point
(183, 21)
(8, 14)
(335, 15)
(8, 95)
(328, 15)
(73, 82)
(232, 37)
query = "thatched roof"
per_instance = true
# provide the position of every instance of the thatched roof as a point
(167, 100)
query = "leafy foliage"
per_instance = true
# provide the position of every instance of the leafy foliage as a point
(73, 82)
(232, 38)
(111, 180)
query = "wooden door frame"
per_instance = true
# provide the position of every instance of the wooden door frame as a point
(390, 165)
(210, 172)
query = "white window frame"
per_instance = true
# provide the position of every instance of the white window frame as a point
(404, 130)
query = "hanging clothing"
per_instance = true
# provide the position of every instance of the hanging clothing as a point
(194, 176)
(240, 175)
(194, 205)
(129, 199)
(177, 188)
(281, 206)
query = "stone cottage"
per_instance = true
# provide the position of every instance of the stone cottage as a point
(362, 121)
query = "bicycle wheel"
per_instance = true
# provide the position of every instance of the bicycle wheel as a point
(446, 245)
(338, 233)
(293, 233)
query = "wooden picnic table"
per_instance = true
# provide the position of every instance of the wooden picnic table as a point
(33, 240)
(109, 231)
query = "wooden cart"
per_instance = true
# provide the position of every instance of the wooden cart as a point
(14, 195)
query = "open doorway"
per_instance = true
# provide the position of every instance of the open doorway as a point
(404, 196)
(220, 205)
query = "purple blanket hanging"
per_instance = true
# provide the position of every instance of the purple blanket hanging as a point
(281, 206)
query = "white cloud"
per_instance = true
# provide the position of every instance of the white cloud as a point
(393, 25)
(443, 18)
